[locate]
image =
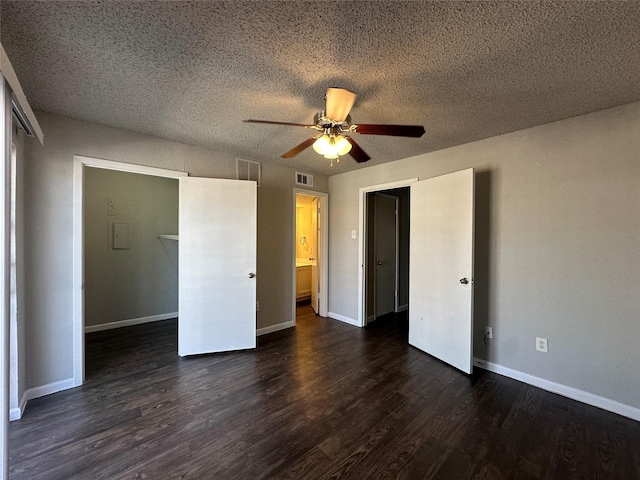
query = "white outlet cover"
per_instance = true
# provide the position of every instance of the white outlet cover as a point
(542, 345)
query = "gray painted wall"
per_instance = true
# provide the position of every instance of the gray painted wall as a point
(48, 225)
(557, 246)
(142, 280)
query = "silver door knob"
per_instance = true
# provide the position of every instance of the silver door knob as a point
(464, 281)
(252, 275)
(379, 262)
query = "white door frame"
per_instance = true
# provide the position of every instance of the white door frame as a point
(5, 242)
(79, 163)
(324, 253)
(362, 225)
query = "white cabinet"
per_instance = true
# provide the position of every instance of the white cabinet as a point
(303, 282)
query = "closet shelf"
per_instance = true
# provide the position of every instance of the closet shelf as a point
(168, 237)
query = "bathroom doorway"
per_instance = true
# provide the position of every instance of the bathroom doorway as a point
(310, 252)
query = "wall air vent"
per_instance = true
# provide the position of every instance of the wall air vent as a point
(304, 179)
(248, 170)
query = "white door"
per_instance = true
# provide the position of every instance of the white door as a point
(441, 268)
(315, 255)
(217, 265)
(385, 242)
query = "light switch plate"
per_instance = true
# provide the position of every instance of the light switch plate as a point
(354, 234)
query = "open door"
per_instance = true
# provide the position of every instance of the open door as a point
(217, 264)
(441, 268)
(385, 239)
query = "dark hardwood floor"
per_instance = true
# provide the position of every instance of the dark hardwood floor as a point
(322, 401)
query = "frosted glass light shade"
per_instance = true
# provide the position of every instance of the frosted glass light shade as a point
(322, 144)
(332, 146)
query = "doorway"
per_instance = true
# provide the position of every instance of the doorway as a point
(387, 252)
(310, 251)
(441, 240)
(211, 211)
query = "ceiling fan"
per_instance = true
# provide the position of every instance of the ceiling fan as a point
(334, 123)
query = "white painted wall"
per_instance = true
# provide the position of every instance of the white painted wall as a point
(557, 246)
(141, 281)
(48, 224)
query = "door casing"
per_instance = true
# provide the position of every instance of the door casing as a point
(362, 247)
(323, 268)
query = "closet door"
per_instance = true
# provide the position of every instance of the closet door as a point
(441, 272)
(217, 265)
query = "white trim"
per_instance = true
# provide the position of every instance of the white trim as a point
(12, 79)
(564, 390)
(16, 413)
(363, 228)
(48, 389)
(274, 328)
(130, 322)
(128, 167)
(324, 255)
(402, 308)
(342, 318)
(36, 392)
(79, 162)
(5, 268)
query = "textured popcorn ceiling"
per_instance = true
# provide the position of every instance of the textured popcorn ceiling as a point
(192, 71)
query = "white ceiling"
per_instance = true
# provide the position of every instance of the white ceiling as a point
(192, 71)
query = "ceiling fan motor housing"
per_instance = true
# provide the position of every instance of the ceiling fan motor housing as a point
(323, 122)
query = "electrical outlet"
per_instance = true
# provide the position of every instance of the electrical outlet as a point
(110, 211)
(488, 332)
(541, 345)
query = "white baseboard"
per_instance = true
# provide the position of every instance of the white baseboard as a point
(344, 319)
(564, 390)
(40, 391)
(402, 308)
(130, 322)
(16, 412)
(273, 328)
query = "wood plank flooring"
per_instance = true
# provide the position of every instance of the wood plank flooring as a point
(322, 401)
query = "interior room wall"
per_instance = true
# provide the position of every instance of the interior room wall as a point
(142, 280)
(48, 229)
(557, 247)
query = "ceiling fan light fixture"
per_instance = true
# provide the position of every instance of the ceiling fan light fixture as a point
(332, 146)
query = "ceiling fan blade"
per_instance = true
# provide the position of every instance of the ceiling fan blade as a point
(395, 130)
(358, 154)
(339, 103)
(280, 123)
(297, 149)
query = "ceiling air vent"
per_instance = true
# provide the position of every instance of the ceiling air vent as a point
(248, 170)
(304, 179)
